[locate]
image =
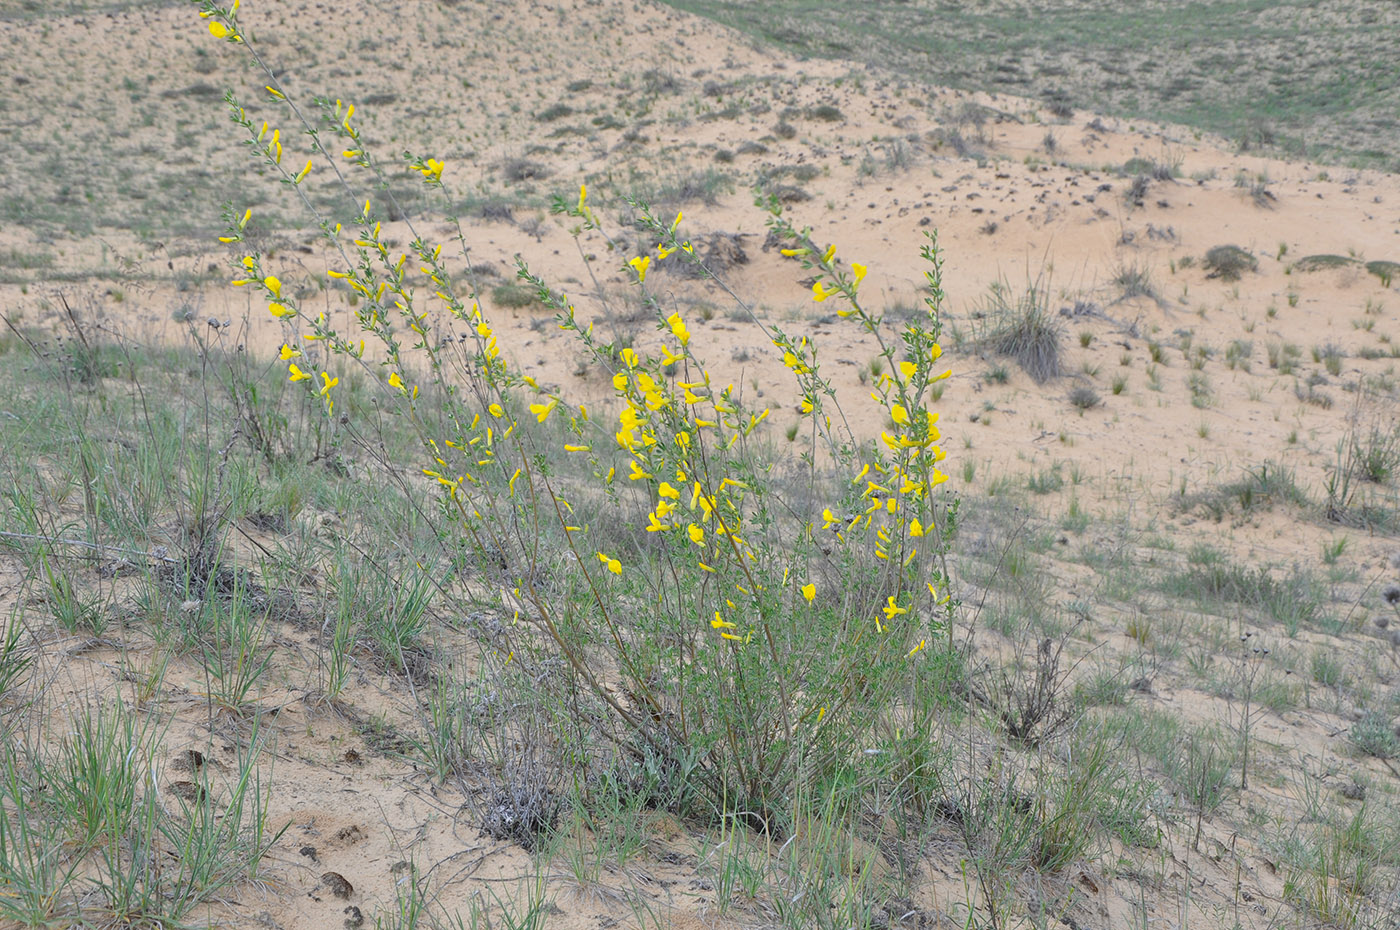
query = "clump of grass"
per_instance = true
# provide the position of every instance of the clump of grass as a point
(1228, 262)
(1293, 601)
(1046, 482)
(1134, 280)
(1023, 327)
(1258, 488)
(1376, 452)
(1330, 355)
(1238, 353)
(1284, 356)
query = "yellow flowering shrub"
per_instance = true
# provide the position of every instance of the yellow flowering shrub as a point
(740, 612)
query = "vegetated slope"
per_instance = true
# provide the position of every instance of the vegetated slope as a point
(1320, 79)
(1158, 512)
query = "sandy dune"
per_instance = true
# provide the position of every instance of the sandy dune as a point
(118, 154)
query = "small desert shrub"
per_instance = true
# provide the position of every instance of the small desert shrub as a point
(1137, 191)
(1321, 262)
(1084, 396)
(1386, 271)
(556, 112)
(1372, 735)
(1228, 262)
(673, 598)
(705, 186)
(516, 170)
(514, 296)
(1156, 170)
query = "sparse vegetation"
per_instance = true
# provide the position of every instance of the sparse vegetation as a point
(562, 557)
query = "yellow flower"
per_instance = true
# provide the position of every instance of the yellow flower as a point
(830, 254)
(219, 30)
(395, 381)
(289, 353)
(304, 172)
(820, 293)
(667, 490)
(916, 529)
(329, 383)
(907, 369)
(278, 310)
(892, 609)
(432, 170)
(918, 648)
(809, 591)
(678, 328)
(296, 374)
(612, 564)
(677, 221)
(860, 272)
(496, 411)
(619, 381)
(273, 285)
(571, 448)
(640, 264)
(899, 414)
(582, 196)
(629, 358)
(719, 623)
(541, 411)
(697, 535)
